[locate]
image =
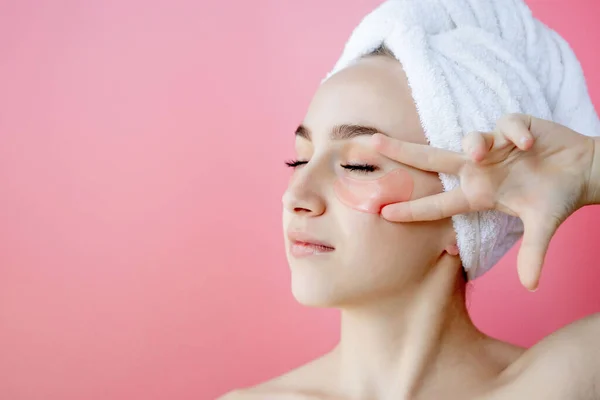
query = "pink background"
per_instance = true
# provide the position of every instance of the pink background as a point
(141, 172)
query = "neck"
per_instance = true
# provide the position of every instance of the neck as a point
(387, 349)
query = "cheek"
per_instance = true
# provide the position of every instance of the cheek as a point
(370, 196)
(368, 241)
(378, 256)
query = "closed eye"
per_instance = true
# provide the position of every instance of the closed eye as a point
(364, 168)
(295, 163)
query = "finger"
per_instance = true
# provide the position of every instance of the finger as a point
(477, 145)
(430, 208)
(516, 128)
(539, 229)
(540, 126)
(424, 157)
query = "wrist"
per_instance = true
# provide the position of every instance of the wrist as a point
(593, 184)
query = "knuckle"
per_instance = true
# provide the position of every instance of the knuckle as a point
(509, 124)
(444, 206)
(397, 149)
(511, 118)
(470, 140)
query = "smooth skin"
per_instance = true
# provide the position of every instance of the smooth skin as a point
(537, 170)
(405, 330)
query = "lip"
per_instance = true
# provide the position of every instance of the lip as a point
(305, 245)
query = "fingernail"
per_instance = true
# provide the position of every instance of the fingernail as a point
(385, 213)
(525, 141)
(391, 214)
(477, 156)
(452, 250)
(377, 139)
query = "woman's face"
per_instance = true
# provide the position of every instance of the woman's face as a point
(356, 256)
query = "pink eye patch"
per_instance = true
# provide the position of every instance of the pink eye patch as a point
(370, 196)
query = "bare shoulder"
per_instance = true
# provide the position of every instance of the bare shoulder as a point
(235, 395)
(303, 383)
(565, 364)
(259, 393)
(577, 345)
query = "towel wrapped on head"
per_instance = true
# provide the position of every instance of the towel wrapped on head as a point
(468, 62)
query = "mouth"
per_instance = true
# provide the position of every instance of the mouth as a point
(303, 245)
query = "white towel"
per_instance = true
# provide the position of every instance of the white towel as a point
(468, 62)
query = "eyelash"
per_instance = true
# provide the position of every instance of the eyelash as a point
(363, 168)
(295, 163)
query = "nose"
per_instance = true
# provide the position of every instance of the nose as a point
(303, 197)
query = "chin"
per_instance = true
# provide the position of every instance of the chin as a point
(314, 290)
(313, 302)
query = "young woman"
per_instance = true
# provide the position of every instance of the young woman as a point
(405, 333)
(445, 67)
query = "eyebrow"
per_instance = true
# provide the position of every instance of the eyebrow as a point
(341, 132)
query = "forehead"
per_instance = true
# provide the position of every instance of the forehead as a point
(373, 92)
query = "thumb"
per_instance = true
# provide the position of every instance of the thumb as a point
(539, 230)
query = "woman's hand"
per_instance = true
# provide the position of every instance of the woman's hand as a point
(537, 170)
